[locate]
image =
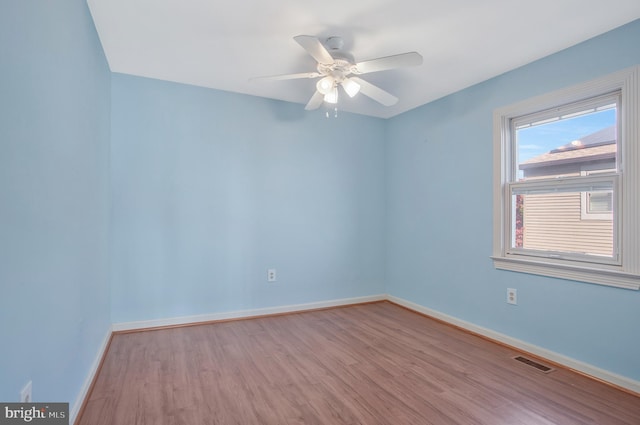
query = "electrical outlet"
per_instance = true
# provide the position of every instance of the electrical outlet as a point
(271, 275)
(512, 296)
(25, 394)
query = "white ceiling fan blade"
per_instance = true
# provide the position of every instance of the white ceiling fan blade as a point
(288, 76)
(315, 101)
(313, 46)
(389, 62)
(375, 92)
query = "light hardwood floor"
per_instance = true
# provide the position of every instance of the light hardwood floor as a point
(367, 364)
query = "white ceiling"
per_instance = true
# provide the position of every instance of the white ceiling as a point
(222, 45)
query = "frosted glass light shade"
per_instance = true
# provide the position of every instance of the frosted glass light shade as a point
(350, 87)
(332, 96)
(325, 85)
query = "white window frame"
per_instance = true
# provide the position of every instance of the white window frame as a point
(624, 272)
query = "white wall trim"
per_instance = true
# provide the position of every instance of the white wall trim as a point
(210, 317)
(588, 369)
(86, 386)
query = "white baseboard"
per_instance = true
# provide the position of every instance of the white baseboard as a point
(561, 359)
(143, 324)
(86, 386)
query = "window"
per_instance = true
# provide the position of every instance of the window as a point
(566, 183)
(596, 205)
(599, 205)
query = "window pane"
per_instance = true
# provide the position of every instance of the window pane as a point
(567, 144)
(553, 223)
(600, 202)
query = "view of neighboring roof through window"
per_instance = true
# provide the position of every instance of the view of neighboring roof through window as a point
(578, 138)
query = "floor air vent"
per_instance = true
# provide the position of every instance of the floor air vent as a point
(534, 364)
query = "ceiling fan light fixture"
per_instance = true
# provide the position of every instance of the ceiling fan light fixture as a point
(325, 85)
(350, 87)
(336, 67)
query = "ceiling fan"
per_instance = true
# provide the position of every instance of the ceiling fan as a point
(338, 69)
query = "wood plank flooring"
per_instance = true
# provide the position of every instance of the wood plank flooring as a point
(366, 364)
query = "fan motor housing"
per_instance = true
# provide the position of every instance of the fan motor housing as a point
(335, 43)
(339, 69)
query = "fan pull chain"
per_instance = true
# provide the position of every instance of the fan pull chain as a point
(335, 113)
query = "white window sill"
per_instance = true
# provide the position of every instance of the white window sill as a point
(608, 277)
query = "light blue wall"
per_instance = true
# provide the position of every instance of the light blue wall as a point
(54, 135)
(439, 218)
(210, 189)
